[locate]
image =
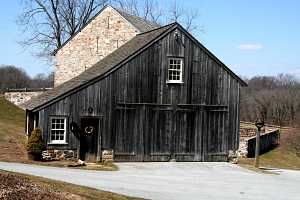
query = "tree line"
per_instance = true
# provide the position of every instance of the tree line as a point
(276, 99)
(12, 77)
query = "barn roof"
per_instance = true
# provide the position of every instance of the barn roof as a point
(111, 62)
(140, 24)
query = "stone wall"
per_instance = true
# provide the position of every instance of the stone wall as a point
(108, 31)
(19, 98)
(249, 134)
(54, 154)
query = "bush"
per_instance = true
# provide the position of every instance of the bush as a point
(35, 144)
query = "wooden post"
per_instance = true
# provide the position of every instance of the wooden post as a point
(257, 148)
(259, 124)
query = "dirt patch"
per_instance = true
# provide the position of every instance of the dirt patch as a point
(17, 187)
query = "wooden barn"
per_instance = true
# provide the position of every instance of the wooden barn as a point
(161, 96)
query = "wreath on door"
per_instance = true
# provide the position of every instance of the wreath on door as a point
(89, 130)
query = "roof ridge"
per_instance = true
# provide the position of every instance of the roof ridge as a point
(124, 11)
(171, 24)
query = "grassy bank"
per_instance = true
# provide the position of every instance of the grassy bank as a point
(20, 186)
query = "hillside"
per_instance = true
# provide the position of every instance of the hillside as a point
(12, 137)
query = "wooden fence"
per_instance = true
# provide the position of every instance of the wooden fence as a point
(268, 141)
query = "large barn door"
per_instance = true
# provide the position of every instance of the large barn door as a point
(217, 131)
(158, 135)
(184, 135)
(128, 135)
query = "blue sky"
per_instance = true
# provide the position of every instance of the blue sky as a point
(252, 37)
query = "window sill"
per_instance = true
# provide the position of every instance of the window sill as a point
(57, 143)
(172, 82)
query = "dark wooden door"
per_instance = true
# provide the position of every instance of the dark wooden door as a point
(158, 135)
(184, 135)
(129, 135)
(217, 135)
(88, 139)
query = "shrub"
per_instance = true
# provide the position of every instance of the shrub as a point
(35, 144)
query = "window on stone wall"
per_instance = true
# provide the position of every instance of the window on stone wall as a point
(175, 70)
(58, 129)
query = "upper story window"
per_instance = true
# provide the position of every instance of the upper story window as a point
(175, 70)
(58, 130)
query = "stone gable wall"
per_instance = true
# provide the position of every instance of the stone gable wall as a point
(104, 34)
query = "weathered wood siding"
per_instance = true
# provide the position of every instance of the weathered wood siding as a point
(146, 119)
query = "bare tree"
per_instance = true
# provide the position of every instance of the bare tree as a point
(12, 77)
(276, 99)
(47, 24)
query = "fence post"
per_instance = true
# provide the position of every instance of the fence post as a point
(259, 124)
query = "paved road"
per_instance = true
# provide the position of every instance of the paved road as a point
(186, 181)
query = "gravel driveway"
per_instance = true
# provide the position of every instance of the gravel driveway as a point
(187, 181)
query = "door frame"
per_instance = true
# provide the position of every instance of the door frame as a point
(99, 135)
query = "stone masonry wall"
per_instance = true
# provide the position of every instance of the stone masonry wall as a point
(108, 31)
(19, 98)
(54, 154)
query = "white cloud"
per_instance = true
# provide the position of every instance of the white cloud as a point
(250, 47)
(295, 72)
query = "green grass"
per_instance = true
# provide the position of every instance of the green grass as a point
(12, 132)
(11, 113)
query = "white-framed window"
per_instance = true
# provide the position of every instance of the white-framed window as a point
(58, 129)
(175, 70)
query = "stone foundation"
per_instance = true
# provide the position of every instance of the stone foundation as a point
(54, 154)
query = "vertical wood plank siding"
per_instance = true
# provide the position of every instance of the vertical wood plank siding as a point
(145, 119)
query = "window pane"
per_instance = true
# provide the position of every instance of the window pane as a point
(174, 71)
(57, 129)
(52, 135)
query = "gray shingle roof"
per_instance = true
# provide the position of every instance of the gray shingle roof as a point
(139, 23)
(100, 68)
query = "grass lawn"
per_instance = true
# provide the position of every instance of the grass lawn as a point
(13, 139)
(20, 186)
(286, 155)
